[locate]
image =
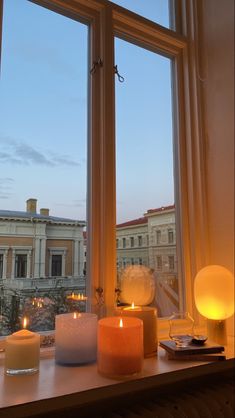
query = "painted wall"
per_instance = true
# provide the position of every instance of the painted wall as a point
(218, 89)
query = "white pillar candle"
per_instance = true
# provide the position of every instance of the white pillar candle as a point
(148, 314)
(22, 353)
(75, 338)
(120, 346)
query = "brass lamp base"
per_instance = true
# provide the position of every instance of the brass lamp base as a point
(217, 331)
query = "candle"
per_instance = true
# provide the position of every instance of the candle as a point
(22, 352)
(120, 346)
(148, 315)
(76, 338)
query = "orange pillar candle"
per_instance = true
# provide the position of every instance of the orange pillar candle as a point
(120, 346)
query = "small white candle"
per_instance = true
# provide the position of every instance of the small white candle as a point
(22, 352)
(148, 314)
(76, 338)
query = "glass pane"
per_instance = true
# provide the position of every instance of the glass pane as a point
(146, 231)
(156, 10)
(43, 137)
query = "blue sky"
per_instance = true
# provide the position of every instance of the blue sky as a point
(43, 115)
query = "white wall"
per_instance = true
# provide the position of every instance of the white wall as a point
(218, 89)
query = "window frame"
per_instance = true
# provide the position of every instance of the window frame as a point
(107, 20)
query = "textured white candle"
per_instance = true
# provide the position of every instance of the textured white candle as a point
(76, 338)
(22, 352)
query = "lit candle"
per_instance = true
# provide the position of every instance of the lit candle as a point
(75, 338)
(22, 352)
(120, 346)
(148, 314)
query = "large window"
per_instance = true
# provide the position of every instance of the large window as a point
(20, 265)
(138, 156)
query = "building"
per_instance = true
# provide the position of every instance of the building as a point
(151, 241)
(40, 251)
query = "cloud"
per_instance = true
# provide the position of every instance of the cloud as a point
(6, 184)
(20, 153)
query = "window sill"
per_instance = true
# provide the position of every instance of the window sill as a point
(55, 387)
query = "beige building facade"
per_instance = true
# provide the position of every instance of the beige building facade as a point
(37, 249)
(151, 241)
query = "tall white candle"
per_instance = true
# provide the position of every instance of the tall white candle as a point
(76, 338)
(22, 353)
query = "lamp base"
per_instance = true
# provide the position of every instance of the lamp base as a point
(217, 331)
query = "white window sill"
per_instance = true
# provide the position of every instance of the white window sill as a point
(56, 387)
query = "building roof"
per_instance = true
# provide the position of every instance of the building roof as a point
(139, 221)
(29, 216)
(161, 209)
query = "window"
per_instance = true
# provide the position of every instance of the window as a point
(140, 241)
(171, 262)
(132, 241)
(1, 266)
(159, 262)
(20, 265)
(158, 236)
(56, 269)
(117, 243)
(123, 242)
(140, 261)
(43, 89)
(170, 236)
(137, 43)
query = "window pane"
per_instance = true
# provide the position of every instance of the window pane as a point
(43, 136)
(158, 11)
(145, 181)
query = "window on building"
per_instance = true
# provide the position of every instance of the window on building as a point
(117, 243)
(140, 241)
(159, 262)
(132, 261)
(1, 265)
(124, 242)
(158, 236)
(171, 261)
(132, 241)
(20, 265)
(56, 265)
(140, 261)
(170, 236)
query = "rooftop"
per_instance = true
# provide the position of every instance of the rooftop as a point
(29, 216)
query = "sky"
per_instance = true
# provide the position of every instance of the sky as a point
(43, 115)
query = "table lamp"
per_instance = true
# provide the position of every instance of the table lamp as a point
(214, 299)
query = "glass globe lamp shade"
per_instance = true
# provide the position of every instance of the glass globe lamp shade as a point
(214, 299)
(214, 292)
(137, 285)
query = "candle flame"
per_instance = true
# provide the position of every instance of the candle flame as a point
(75, 315)
(121, 323)
(25, 322)
(132, 305)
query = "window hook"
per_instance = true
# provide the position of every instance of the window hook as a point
(96, 64)
(120, 78)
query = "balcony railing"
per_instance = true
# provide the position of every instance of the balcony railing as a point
(44, 283)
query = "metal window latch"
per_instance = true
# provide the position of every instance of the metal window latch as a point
(95, 65)
(120, 78)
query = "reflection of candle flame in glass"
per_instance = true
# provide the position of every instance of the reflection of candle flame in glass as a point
(121, 323)
(25, 322)
(132, 305)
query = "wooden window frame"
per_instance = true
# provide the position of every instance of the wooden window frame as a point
(107, 20)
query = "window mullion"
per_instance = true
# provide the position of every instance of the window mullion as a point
(108, 175)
